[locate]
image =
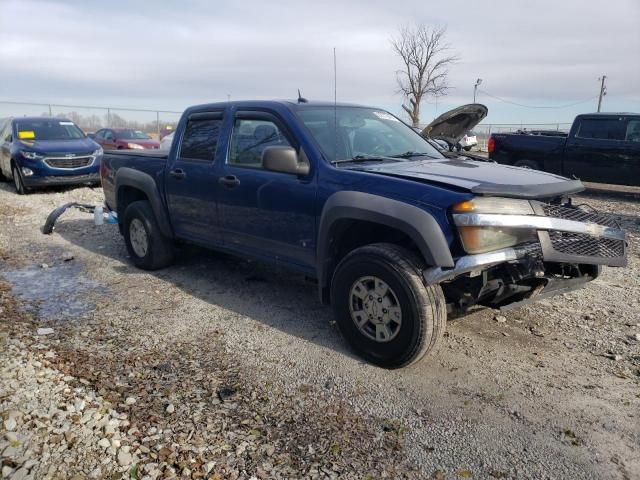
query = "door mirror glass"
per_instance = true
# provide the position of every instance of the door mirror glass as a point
(283, 159)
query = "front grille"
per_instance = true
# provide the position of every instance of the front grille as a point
(586, 245)
(580, 213)
(69, 162)
(580, 244)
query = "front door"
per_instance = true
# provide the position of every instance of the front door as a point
(5, 149)
(191, 181)
(108, 140)
(270, 214)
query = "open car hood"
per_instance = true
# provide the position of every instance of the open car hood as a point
(481, 178)
(451, 126)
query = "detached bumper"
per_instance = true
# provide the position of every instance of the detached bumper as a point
(44, 181)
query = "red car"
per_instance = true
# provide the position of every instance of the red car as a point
(124, 138)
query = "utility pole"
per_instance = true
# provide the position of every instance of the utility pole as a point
(603, 91)
(475, 89)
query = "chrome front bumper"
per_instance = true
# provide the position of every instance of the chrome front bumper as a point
(561, 240)
(479, 262)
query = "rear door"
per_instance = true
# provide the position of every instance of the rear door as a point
(269, 214)
(596, 150)
(191, 181)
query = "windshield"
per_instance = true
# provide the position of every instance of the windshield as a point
(47, 130)
(362, 132)
(129, 134)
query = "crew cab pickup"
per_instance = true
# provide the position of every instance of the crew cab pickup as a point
(600, 147)
(396, 234)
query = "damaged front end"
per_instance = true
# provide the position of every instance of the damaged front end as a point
(557, 247)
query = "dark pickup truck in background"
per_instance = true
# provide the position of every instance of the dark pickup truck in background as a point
(396, 234)
(600, 147)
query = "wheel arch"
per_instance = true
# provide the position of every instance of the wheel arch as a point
(347, 210)
(133, 185)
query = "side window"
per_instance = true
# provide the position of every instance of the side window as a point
(107, 134)
(601, 128)
(100, 134)
(249, 139)
(633, 131)
(200, 139)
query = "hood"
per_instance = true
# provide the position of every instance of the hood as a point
(78, 145)
(481, 178)
(451, 126)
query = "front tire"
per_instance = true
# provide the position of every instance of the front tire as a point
(384, 309)
(17, 181)
(148, 248)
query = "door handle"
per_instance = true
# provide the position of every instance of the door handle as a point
(229, 181)
(178, 173)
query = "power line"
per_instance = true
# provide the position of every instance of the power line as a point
(538, 106)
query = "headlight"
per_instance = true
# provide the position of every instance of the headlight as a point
(98, 152)
(481, 239)
(506, 206)
(32, 155)
(135, 146)
(487, 239)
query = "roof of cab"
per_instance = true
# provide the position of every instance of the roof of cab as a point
(291, 104)
(609, 114)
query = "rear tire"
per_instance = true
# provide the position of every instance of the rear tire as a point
(384, 309)
(148, 248)
(530, 164)
(17, 181)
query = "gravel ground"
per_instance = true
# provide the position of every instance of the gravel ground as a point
(222, 368)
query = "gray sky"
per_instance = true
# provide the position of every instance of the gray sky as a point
(168, 55)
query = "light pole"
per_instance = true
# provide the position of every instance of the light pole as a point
(603, 91)
(475, 89)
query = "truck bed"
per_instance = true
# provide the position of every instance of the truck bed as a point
(152, 162)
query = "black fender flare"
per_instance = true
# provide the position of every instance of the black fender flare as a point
(416, 223)
(128, 177)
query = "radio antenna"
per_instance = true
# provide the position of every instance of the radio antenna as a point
(335, 105)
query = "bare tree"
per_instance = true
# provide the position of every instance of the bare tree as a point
(426, 59)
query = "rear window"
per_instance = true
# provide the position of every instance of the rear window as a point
(47, 130)
(200, 139)
(602, 128)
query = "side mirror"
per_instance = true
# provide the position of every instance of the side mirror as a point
(283, 159)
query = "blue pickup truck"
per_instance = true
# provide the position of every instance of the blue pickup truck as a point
(397, 235)
(43, 151)
(600, 147)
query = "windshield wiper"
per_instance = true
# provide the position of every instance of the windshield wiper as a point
(365, 158)
(412, 154)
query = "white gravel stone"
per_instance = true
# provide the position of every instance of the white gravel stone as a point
(10, 424)
(124, 458)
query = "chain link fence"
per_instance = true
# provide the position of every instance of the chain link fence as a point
(155, 123)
